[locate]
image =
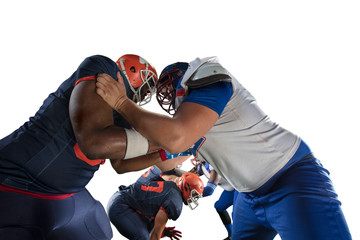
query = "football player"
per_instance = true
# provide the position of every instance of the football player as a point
(46, 164)
(283, 188)
(227, 197)
(141, 210)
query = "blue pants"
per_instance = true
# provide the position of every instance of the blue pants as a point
(78, 217)
(227, 198)
(300, 205)
(127, 221)
(225, 201)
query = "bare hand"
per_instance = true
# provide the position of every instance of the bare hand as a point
(113, 92)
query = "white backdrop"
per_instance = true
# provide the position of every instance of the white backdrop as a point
(300, 59)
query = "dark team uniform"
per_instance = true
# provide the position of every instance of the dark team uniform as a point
(132, 209)
(42, 162)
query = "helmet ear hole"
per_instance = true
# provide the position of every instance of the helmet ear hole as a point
(132, 69)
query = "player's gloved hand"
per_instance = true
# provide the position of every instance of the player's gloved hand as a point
(165, 155)
(199, 170)
(209, 189)
(172, 233)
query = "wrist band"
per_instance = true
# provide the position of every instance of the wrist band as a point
(136, 144)
(211, 184)
(162, 154)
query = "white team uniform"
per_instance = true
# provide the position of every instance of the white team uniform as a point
(248, 149)
(222, 183)
(244, 146)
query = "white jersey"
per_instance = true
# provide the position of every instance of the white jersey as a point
(244, 146)
(222, 183)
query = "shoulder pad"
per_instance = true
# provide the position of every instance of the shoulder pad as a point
(207, 74)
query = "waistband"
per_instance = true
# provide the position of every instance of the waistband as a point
(36, 195)
(303, 152)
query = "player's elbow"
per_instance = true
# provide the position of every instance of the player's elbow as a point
(91, 154)
(176, 145)
(120, 170)
(90, 150)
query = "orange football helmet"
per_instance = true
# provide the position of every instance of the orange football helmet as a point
(192, 188)
(141, 75)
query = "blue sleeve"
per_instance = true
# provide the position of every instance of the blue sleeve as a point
(214, 96)
(89, 69)
(152, 174)
(173, 203)
(93, 65)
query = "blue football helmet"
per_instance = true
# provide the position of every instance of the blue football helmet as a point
(169, 79)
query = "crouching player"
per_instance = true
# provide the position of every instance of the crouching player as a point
(141, 210)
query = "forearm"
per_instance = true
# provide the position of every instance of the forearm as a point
(112, 143)
(155, 236)
(153, 147)
(106, 143)
(190, 122)
(135, 164)
(214, 177)
(159, 225)
(158, 128)
(171, 163)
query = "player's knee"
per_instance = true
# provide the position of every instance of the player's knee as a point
(219, 206)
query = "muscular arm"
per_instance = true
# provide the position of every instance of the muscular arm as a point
(176, 134)
(135, 164)
(171, 163)
(160, 221)
(92, 122)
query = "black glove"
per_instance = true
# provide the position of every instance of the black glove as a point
(171, 232)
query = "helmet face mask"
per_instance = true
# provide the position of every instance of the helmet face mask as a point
(141, 76)
(192, 202)
(166, 86)
(166, 92)
(143, 93)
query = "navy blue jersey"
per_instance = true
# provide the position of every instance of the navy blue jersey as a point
(152, 174)
(42, 156)
(150, 193)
